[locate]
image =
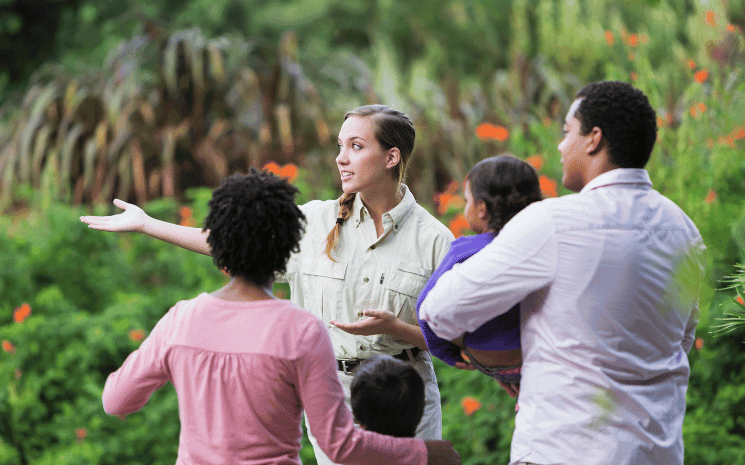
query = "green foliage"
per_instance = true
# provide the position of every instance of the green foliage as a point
(515, 64)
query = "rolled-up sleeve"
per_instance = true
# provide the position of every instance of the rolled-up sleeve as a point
(129, 388)
(519, 261)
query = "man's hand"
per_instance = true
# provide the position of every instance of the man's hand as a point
(441, 453)
(377, 322)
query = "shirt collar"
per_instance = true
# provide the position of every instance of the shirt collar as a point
(397, 215)
(620, 176)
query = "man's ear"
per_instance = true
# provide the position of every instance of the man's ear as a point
(595, 143)
(393, 157)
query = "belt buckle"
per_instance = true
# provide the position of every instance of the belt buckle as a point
(344, 368)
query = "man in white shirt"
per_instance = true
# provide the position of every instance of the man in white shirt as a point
(608, 279)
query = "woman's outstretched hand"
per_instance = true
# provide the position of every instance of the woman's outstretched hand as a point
(377, 322)
(441, 453)
(132, 219)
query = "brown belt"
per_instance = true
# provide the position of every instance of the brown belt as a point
(347, 366)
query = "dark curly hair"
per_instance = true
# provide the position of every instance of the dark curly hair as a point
(628, 121)
(254, 225)
(506, 185)
(387, 396)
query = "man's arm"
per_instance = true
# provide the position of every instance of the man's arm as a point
(519, 261)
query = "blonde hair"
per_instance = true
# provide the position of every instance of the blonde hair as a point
(392, 129)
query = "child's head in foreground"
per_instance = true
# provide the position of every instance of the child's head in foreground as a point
(387, 396)
(254, 225)
(496, 189)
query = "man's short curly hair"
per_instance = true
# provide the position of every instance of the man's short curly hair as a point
(623, 113)
(254, 225)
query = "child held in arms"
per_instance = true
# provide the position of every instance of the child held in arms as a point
(245, 364)
(496, 189)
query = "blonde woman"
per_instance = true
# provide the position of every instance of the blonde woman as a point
(363, 259)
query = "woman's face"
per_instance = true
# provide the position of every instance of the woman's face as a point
(364, 165)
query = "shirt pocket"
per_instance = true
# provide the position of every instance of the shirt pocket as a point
(322, 283)
(402, 290)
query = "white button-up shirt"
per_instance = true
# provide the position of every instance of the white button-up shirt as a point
(608, 279)
(371, 272)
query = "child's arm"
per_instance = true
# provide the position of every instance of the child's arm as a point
(134, 219)
(128, 389)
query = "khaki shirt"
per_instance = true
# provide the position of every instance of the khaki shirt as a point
(385, 272)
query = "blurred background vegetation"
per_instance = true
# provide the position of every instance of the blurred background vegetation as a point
(155, 102)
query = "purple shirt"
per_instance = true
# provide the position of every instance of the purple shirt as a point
(499, 333)
(243, 373)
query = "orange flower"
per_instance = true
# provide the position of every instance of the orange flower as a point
(633, 76)
(21, 313)
(738, 134)
(739, 300)
(701, 75)
(470, 405)
(288, 171)
(536, 161)
(731, 27)
(184, 212)
(548, 186)
(457, 225)
(486, 131)
(633, 40)
(699, 343)
(609, 39)
(81, 433)
(137, 335)
(8, 347)
(697, 109)
(660, 122)
(272, 168)
(711, 196)
(691, 64)
(711, 18)
(190, 222)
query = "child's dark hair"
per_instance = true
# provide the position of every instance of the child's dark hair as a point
(506, 185)
(254, 225)
(388, 396)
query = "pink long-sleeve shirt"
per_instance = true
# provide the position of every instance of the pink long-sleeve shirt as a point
(243, 373)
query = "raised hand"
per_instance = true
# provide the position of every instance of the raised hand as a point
(132, 219)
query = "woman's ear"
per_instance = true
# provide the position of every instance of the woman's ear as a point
(393, 157)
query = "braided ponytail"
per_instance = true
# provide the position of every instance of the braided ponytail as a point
(345, 211)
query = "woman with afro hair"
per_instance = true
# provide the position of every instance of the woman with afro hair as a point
(244, 364)
(363, 259)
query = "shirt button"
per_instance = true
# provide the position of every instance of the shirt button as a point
(362, 347)
(372, 247)
(366, 279)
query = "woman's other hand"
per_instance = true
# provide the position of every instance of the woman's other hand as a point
(132, 219)
(377, 322)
